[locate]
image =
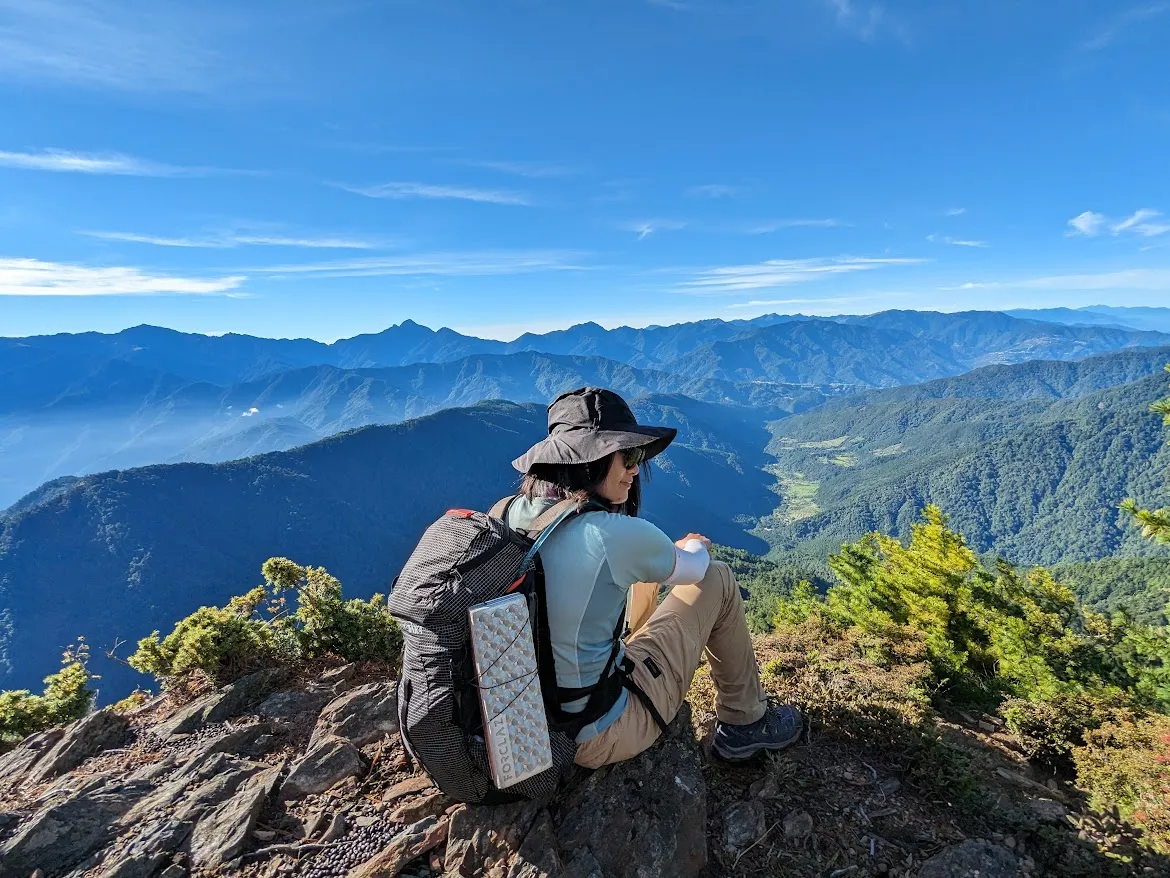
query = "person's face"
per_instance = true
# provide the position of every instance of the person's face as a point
(620, 479)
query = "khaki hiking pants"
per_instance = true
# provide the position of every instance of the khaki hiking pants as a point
(666, 647)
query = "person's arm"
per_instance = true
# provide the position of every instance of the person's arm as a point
(637, 551)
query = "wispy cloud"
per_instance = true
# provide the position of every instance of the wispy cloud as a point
(646, 228)
(955, 242)
(954, 211)
(33, 277)
(1112, 31)
(401, 190)
(765, 227)
(232, 240)
(467, 264)
(713, 190)
(829, 300)
(129, 46)
(1144, 279)
(533, 170)
(866, 21)
(114, 163)
(784, 272)
(1145, 222)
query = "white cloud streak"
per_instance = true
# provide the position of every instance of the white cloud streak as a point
(1112, 31)
(532, 170)
(956, 242)
(784, 272)
(1143, 279)
(112, 163)
(478, 264)
(404, 190)
(713, 190)
(131, 45)
(1145, 222)
(646, 228)
(864, 21)
(233, 240)
(954, 211)
(765, 227)
(33, 277)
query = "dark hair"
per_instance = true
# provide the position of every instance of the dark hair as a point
(581, 481)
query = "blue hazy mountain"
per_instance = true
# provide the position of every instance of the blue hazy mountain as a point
(1127, 317)
(72, 415)
(116, 555)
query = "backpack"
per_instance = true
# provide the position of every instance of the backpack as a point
(464, 559)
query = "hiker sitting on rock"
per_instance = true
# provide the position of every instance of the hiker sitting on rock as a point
(599, 563)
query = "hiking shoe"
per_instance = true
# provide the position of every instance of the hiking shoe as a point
(778, 728)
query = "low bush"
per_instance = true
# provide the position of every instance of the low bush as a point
(1049, 729)
(258, 630)
(66, 697)
(1126, 764)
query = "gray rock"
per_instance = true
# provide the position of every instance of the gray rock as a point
(974, 858)
(291, 705)
(1048, 810)
(798, 825)
(244, 694)
(188, 718)
(360, 716)
(152, 846)
(64, 832)
(326, 764)
(223, 831)
(85, 738)
(16, 763)
(173, 871)
(743, 823)
(646, 816)
(411, 843)
(653, 806)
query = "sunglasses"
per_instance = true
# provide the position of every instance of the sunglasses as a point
(633, 457)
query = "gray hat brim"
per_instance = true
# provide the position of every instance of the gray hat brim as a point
(587, 445)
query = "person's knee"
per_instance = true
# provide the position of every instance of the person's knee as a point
(719, 576)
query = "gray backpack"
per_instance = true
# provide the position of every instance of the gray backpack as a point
(464, 559)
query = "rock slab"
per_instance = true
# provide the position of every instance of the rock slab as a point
(974, 858)
(360, 716)
(640, 818)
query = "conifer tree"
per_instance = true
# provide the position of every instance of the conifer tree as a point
(1155, 522)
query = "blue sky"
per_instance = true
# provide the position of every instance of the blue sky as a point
(323, 169)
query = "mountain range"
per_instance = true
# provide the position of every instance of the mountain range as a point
(796, 434)
(115, 555)
(77, 404)
(1029, 460)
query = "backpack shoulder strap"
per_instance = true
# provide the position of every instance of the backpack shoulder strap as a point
(501, 507)
(550, 515)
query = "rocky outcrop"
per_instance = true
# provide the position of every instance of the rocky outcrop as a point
(360, 716)
(83, 739)
(231, 701)
(328, 763)
(972, 859)
(644, 817)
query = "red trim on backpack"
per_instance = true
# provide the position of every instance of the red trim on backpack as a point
(515, 585)
(460, 513)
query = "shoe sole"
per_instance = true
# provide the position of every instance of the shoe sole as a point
(740, 754)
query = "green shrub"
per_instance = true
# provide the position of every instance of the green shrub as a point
(256, 629)
(66, 697)
(1049, 729)
(1127, 764)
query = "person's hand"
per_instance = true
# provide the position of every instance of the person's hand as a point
(702, 539)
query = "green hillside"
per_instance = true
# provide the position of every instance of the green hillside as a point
(1037, 481)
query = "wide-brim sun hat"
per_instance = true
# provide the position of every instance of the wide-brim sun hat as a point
(590, 423)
